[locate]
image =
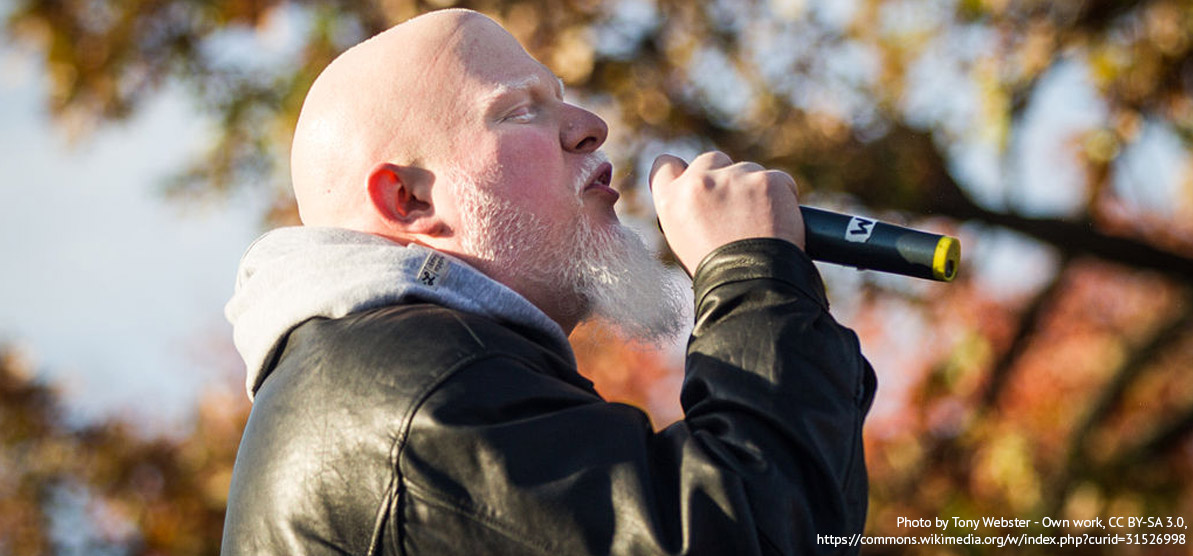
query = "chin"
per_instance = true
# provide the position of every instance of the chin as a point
(601, 214)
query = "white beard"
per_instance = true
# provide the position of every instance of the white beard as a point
(595, 271)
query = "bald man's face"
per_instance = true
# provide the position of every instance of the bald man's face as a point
(443, 131)
(528, 195)
(516, 137)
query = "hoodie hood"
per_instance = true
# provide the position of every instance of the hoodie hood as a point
(290, 275)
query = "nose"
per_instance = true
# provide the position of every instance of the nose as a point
(582, 131)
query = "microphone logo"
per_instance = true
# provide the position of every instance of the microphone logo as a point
(859, 229)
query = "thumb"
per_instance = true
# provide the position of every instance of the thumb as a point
(666, 168)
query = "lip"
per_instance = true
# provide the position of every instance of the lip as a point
(601, 182)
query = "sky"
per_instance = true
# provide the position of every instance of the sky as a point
(111, 291)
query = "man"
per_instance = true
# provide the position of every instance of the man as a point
(414, 392)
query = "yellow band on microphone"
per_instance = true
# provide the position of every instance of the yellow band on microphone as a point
(946, 259)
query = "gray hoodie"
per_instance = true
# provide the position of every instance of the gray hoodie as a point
(292, 274)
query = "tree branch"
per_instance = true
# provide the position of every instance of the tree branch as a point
(945, 196)
(1028, 327)
(1109, 398)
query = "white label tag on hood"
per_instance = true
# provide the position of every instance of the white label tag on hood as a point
(434, 269)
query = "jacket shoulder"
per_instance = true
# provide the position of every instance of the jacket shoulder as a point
(397, 351)
(317, 461)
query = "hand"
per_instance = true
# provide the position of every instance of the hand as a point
(713, 202)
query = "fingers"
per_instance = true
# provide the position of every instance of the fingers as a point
(666, 169)
(784, 178)
(672, 166)
(714, 201)
(711, 160)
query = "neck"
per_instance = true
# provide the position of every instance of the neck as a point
(564, 307)
(559, 303)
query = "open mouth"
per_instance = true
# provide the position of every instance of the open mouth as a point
(602, 178)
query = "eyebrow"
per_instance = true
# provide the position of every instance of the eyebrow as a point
(518, 85)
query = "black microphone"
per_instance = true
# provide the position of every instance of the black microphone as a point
(873, 245)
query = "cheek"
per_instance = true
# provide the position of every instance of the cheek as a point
(531, 154)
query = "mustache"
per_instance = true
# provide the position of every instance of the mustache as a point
(587, 170)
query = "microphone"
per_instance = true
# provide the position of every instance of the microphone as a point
(874, 245)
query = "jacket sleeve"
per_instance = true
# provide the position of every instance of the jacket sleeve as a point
(502, 458)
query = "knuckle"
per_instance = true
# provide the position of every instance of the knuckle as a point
(715, 158)
(781, 177)
(749, 167)
(757, 178)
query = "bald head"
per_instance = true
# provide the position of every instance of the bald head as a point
(374, 104)
(444, 132)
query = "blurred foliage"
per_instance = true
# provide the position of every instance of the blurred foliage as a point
(640, 375)
(1066, 397)
(104, 488)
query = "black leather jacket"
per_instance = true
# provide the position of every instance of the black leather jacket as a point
(416, 429)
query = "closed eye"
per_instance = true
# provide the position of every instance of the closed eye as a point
(520, 114)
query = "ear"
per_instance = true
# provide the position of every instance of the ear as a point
(401, 197)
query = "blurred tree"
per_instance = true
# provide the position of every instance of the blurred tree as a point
(103, 488)
(1050, 380)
